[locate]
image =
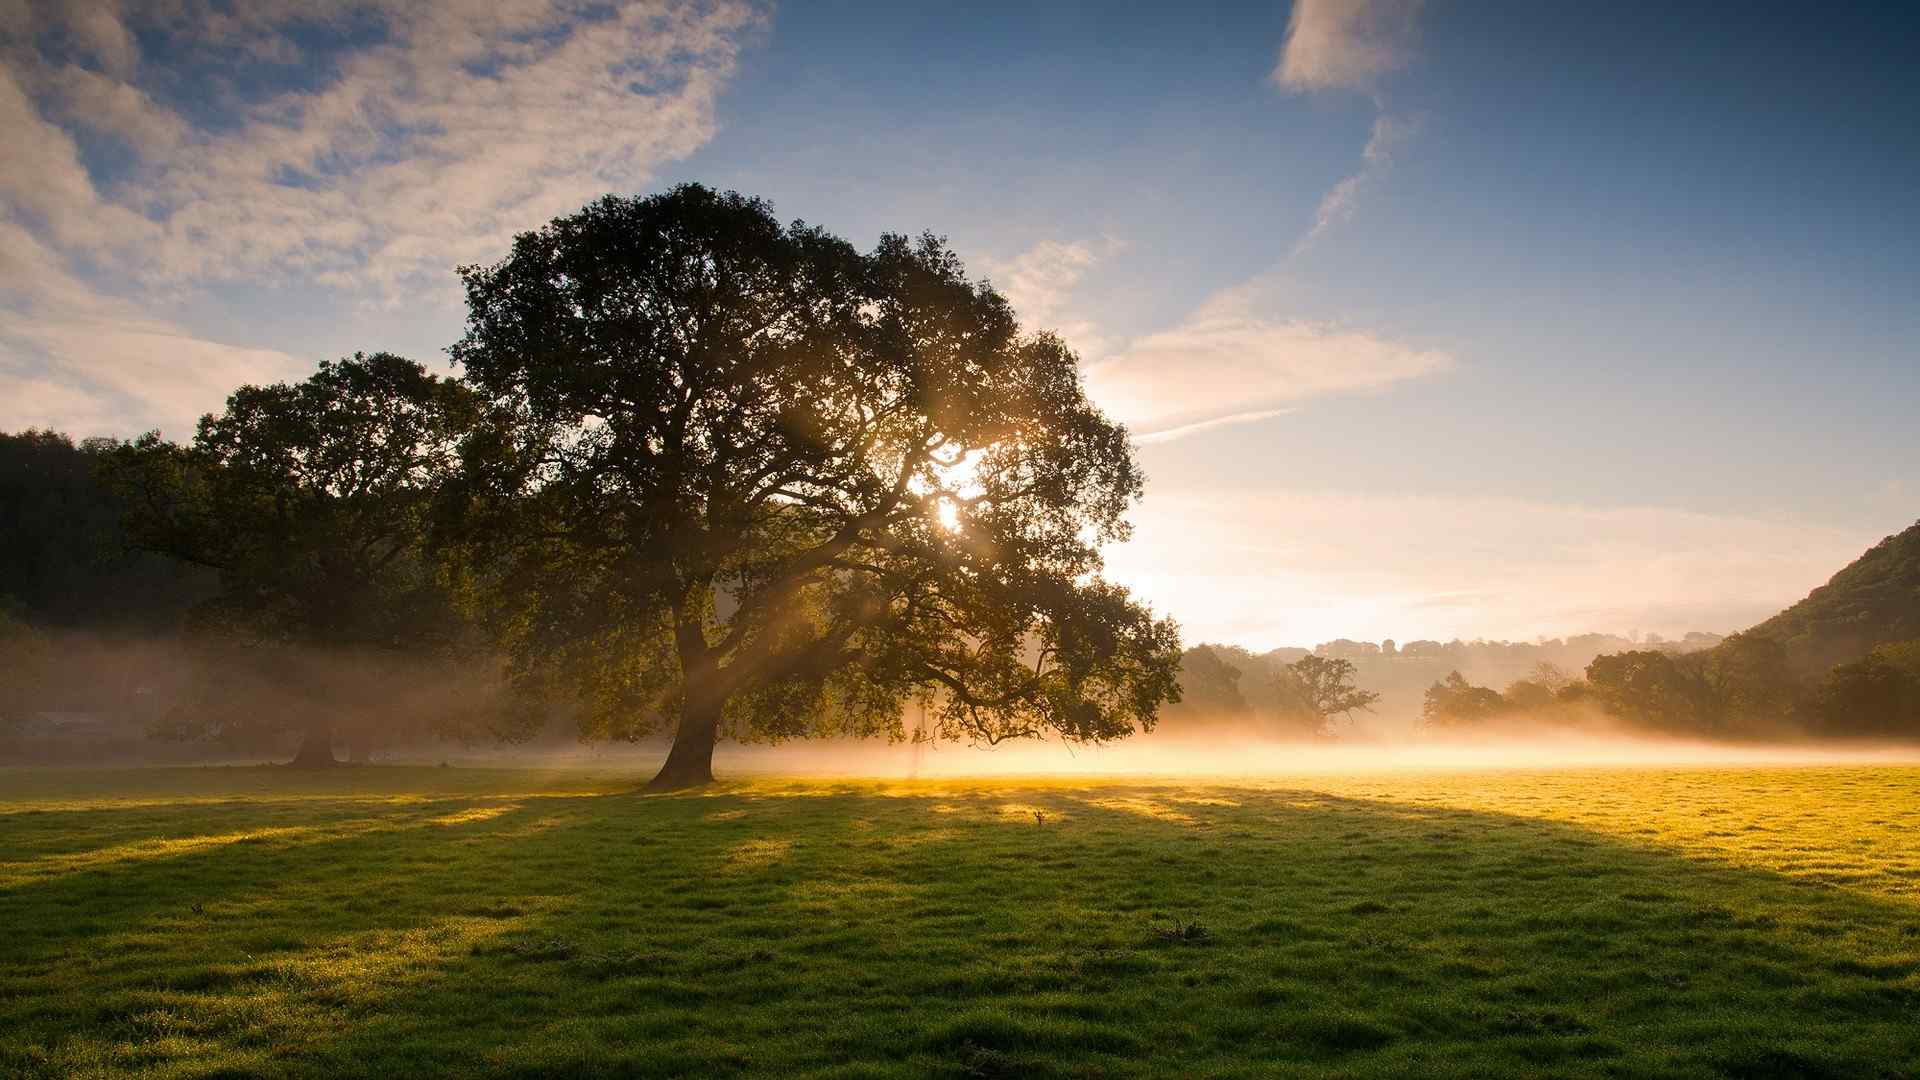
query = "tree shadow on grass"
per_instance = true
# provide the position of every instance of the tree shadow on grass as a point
(111, 948)
(1012, 931)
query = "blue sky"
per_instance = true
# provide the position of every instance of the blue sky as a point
(1490, 319)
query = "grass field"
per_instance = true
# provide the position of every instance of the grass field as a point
(405, 922)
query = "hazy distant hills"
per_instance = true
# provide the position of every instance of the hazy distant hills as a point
(1876, 599)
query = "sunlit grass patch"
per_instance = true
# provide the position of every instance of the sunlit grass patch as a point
(1158, 809)
(757, 854)
(473, 814)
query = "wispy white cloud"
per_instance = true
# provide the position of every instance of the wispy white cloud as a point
(1230, 362)
(1040, 282)
(1346, 44)
(1388, 135)
(42, 180)
(1350, 45)
(1289, 567)
(1181, 432)
(78, 360)
(457, 124)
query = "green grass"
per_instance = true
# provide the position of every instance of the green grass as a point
(409, 922)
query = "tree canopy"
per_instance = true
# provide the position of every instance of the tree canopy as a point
(745, 479)
(1455, 702)
(312, 501)
(1877, 695)
(1325, 689)
(66, 560)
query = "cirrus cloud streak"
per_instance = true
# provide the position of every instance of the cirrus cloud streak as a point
(1230, 363)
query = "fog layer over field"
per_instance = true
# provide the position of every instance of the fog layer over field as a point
(129, 700)
(1159, 755)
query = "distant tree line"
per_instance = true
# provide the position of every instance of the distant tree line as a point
(1842, 663)
(1230, 685)
(67, 560)
(1269, 694)
(1746, 687)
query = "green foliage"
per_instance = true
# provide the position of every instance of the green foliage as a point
(1779, 676)
(65, 559)
(1655, 690)
(1524, 695)
(1454, 702)
(1229, 692)
(1751, 682)
(1509, 924)
(1210, 683)
(1874, 600)
(1878, 695)
(313, 503)
(1324, 688)
(744, 477)
(1745, 687)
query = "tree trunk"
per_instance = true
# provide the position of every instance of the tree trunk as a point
(690, 763)
(316, 747)
(359, 746)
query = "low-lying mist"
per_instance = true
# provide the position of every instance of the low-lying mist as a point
(1149, 756)
(76, 698)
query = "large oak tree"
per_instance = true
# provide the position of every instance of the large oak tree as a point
(746, 479)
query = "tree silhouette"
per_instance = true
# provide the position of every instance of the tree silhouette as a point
(747, 480)
(312, 501)
(1455, 702)
(1325, 688)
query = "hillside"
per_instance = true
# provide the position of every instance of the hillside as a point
(1876, 599)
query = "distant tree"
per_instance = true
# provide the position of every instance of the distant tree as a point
(312, 501)
(66, 562)
(1527, 695)
(1654, 689)
(1551, 676)
(1324, 688)
(1454, 702)
(1422, 650)
(1878, 695)
(1346, 649)
(1751, 682)
(1210, 683)
(757, 483)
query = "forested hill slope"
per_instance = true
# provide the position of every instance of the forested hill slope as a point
(1876, 599)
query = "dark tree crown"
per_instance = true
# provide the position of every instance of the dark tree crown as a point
(742, 461)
